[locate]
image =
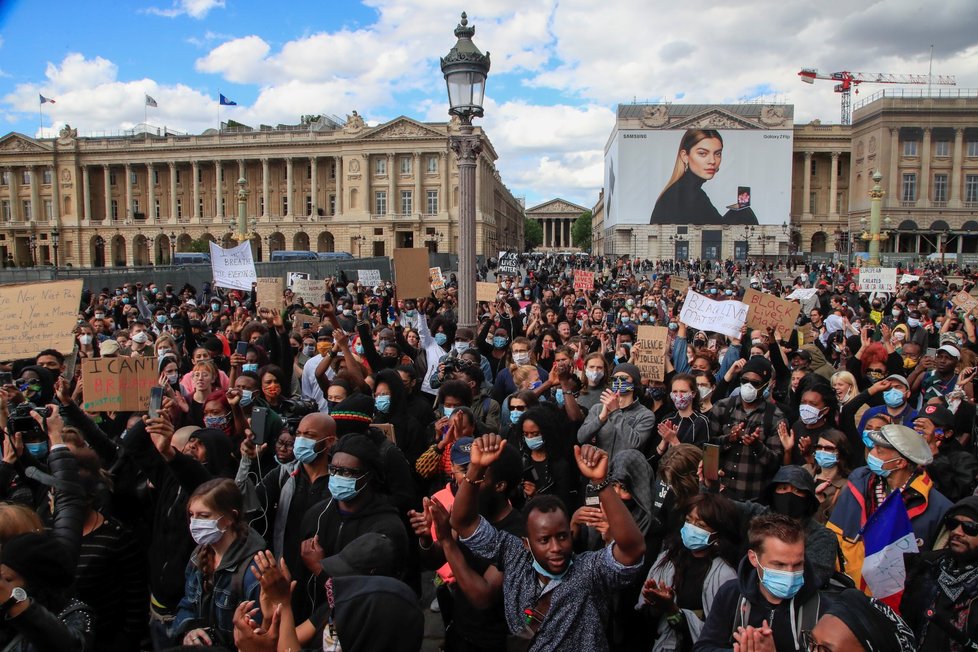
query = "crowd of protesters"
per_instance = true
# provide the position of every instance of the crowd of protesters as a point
(303, 488)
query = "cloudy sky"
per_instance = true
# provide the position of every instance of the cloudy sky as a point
(559, 67)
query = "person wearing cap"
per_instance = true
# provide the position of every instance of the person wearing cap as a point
(896, 401)
(745, 429)
(853, 622)
(942, 585)
(622, 422)
(898, 460)
(942, 379)
(954, 470)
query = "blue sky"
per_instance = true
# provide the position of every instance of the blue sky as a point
(559, 68)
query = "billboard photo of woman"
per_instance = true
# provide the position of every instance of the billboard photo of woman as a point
(683, 200)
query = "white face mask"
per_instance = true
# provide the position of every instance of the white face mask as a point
(84, 340)
(205, 531)
(521, 357)
(594, 375)
(748, 393)
(704, 391)
(140, 338)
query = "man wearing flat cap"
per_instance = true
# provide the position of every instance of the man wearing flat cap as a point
(898, 460)
(954, 469)
(943, 584)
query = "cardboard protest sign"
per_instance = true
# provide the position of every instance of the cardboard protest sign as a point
(583, 280)
(38, 316)
(294, 276)
(303, 322)
(233, 268)
(118, 384)
(369, 277)
(678, 283)
(704, 314)
(767, 311)
(309, 289)
(908, 278)
(803, 294)
(436, 279)
(965, 302)
(956, 280)
(877, 279)
(411, 273)
(270, 292)
(508, 263)
(486, 291)
(387, 429)
(651, 349)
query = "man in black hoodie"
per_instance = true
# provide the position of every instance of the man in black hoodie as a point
(774, 598)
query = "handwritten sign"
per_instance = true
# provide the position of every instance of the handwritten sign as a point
(876, 316)
(877, 279)
(651, 350)
(803, 294)
(233, 268)
(369, 277)
(304, 322)
(38, 316)
(583, 280)
(294, 276)
(269, 291)
(118, 384)
(387, 429)
(678, 283)
(411, 273)
(309, 289)
(767, 311)
(509, 263)
(486, 291)
(704, 314)
(909, 278)
(965, 302)
(437, 280)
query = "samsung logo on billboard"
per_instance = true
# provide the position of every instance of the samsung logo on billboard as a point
(634, 136)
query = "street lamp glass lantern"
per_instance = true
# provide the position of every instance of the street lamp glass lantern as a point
(465, 69)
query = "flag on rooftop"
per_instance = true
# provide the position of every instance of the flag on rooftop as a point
(45, 100)
(226, 102)
(150, 101)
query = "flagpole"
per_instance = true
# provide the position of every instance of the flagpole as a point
(40, 119)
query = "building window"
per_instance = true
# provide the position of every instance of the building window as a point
(224, 205)
(309, 170)
(405, 165)
(838, 202)
(177, 174)
(200, 206)
(261, 205)
(380, 202)
(973, 148)
(135, 207)
(432, 202)
(971, 188)
(133, 177)
(432, 164)
(910, 148)
(942, 148)
(25, 177)
(814, 167)
(380, 166)
(200, 174)
(332, 204)
(156, 209)
(114, 210)
(285, 205)
(332, 170)
(909, 191)
(179, 208)
(111, 177)
(156, 177)
(5, 210)
(5, 178)
(811, 201)
(48, 209)
(407, 202)
(26, 210)
(308, 204)
(46, 176)
(940, 187)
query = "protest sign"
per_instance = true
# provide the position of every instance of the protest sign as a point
(767, 311)
(411, 273)
(294, 276)
(908, 278)
(233, 268)
(965, 302)
(678, 283)
(876, 316)
(436, 279)
(583, 280)
(486, 292)
(704, 314)
(309, 289)
(118, 384)
(651, 350)
(270, 291)
(956, 280)
(803, 294)
(508, 263)
(303, 322)
(877, 279)
(369, 277)
(387, 429)
(38, 316)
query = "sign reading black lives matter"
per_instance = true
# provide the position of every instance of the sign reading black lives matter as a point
(508, 263)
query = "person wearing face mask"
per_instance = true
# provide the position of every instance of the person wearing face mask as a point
(775, 597)
(817, 413)
(546, 469)
(390, 406)
(311, 388)
(686, 424)
(898, 460)
(622, 422)
(954, 469)
(896, 394)
(218, 575)
(521, 354)
(594, 380)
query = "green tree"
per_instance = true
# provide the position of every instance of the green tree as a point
(581, 231)
(532, 234)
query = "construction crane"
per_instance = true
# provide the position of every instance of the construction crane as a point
(848, 80)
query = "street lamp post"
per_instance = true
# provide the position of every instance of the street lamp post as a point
(55, 241)
(242, 234)
(465, 69)
(359, 239)
(173, 246)
(33, 244)
(875, 205)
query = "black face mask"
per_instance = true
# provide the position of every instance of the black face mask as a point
(791, 505)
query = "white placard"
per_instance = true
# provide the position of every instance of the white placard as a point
(909, 278)
(803, 294)
(296, 276)
(233, 268)
(369, 277)
(877, 279)
(704, 314)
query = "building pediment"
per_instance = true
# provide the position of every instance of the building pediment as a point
(556, 206)
(400, 128)
(715, 118)
(15, 142)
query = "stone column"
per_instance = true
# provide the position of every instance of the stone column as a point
(264, 188)
(288, 188)
(834, 185)
(368, 201)
(55, 195)
(173, 191)
(128, 172)
(443, 200)
(15, 215)
(893, 183)
(956, 158)
(419, 206)
(242, 174)
(195, 170)
(86, 192)
(35, 196)
(923, 196)
(806, 202)
(314, 184)
(241, 169)
(338, 165)
(392, 173)
(107, 189)
(218, 193)
(150, 192)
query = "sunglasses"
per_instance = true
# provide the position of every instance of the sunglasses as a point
(968, 527)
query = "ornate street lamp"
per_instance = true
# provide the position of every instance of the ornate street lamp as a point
(55, 241)
(465, 69)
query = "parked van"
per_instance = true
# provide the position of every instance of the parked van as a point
(191, 258)
(334, 255)
(278, 256)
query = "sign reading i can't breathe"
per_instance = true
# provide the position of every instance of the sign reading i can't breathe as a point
(233, 268)
(118, 384)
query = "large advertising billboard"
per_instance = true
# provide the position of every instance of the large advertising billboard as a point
(698, 176)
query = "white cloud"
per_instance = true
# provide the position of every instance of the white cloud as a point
(194, 8)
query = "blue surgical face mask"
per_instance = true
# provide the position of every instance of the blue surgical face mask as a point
(782, 584)
(250, 367)
(160, 319)
(440, 339)
(559, 397)
(304, 450)
(875, 465)
(247, 396)
(410, 313)
(382, 403)
(622, 386)
(867, 441)
(37, 449)
(533, 443)
(514, 416)
(538, 567)
(344, 489)
(893, 397)
(499, 341)
(358, 348)
(825, 459)
(218, 422)
(447, 411)
(694, 537)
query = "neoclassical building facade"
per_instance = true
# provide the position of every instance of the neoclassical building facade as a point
(556, 219)
(321, 186)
